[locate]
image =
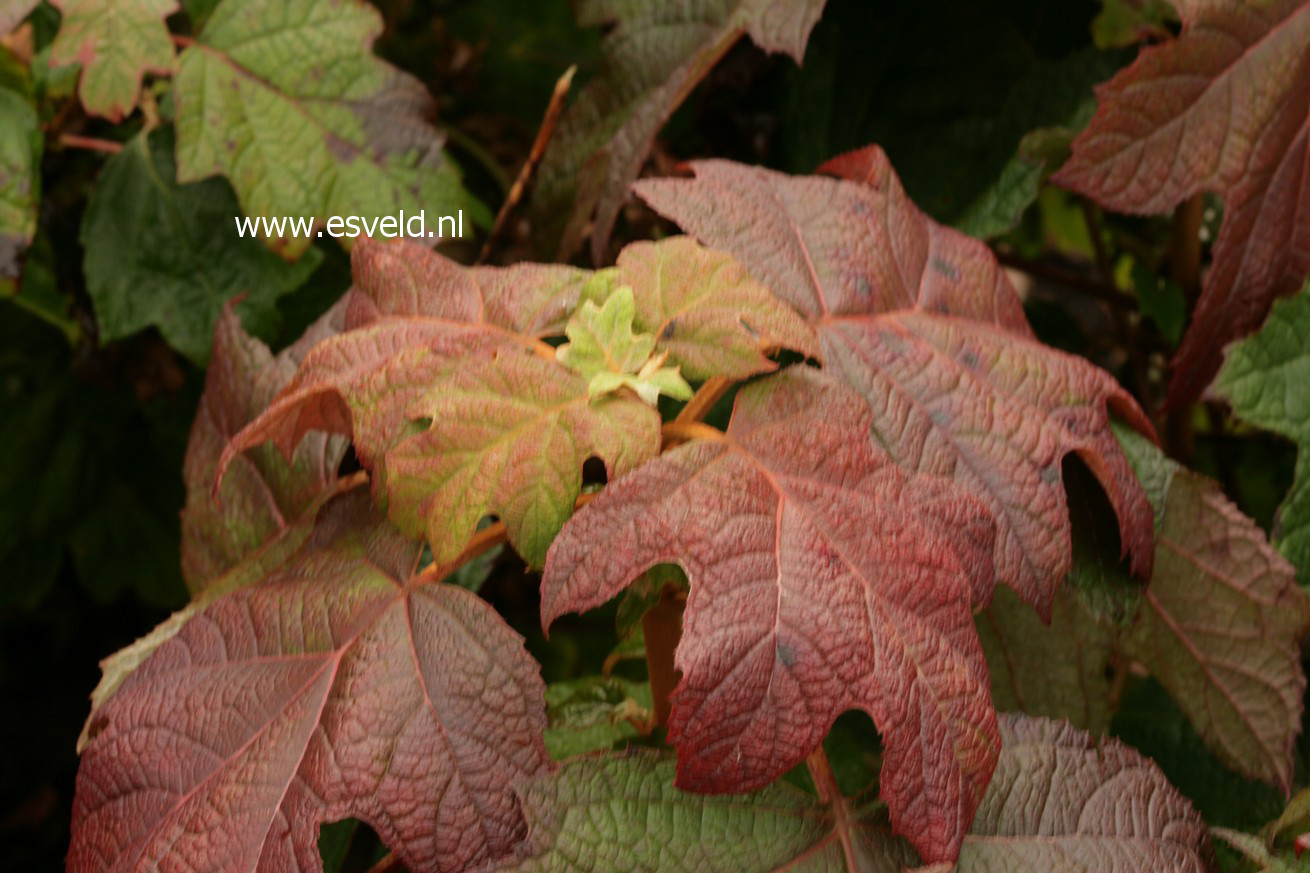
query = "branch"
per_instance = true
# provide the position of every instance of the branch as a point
(710, 393)
(1107, 294)
(544, 133)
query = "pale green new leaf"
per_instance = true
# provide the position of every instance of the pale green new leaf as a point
(509, 434)
(1266, 378)
(116, 42)
(288, 102)
(606, 351)
(621, 813)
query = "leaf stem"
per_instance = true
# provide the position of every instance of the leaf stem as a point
(709, 393)
(678, 432)
(479, 544)
(661, 628)
(90, 143)
(1107, 294)
(826, 785)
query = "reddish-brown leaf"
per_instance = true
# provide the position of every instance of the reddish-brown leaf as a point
(1225, 107)
(923, 322)
(333, 688)
(262, 493)
(818, 583)
(410, 308)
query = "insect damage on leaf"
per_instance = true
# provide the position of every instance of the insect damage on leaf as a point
(823, 577)
(604, 349)
(1224, 107)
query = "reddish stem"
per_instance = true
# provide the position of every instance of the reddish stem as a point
(826, 785)
(90, 143)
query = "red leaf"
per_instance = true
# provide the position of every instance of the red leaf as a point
(409, 309)
(818, 584)
(264, 493)
(1225, 107)
(334, 688)
(923, 322)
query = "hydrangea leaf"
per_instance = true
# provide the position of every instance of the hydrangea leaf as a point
(622, 813)
(921, 320)
(263, 493)
(819, 583)
(330, 672)
(607, 352)
(1063, 802)
(1239, 679)
(593, 713)
(159, 253)
(1224, 107)
(1266, 378)
(707, 312)
(116, 42)
(509, 435)
(20, 180)
(409, 309)
(651, 60)
(287, 101)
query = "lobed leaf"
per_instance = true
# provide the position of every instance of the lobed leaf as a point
(1062, 801)
(1221, 622)
(263, 492)
(1266, 378)
(707, 312)
(1224, 107)
(335, 687)
(652, 58)
(163, 254)
(923, 323)
(409, 309)
(622, 813)
(510, 432)
(287, 101)
(823, 577)
(116, 42)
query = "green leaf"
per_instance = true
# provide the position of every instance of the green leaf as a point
(163, 254)
(707, 312)
(286, 100)
(1254, 849)
(1128, 22)
(1266, 378)
(510, 432)
(605, 350)
(622, 813)
(593, 713)
(116, 42)
(20, 161)
(652, 58)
